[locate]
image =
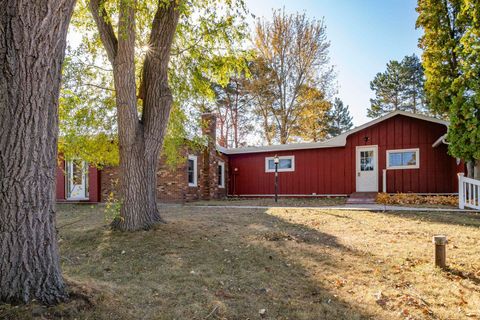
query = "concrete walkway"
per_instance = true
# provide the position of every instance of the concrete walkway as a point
(348, 207)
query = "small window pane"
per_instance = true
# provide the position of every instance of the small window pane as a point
(396, 159)
(77, 174)
(409, 158)
(271, 164)
(220, 175)
(191, 171)
(285, 164)
(366, 161)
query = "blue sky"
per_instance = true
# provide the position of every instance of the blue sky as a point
(364, 36)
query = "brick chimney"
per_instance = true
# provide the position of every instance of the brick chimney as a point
(209, 127)
(209, 167)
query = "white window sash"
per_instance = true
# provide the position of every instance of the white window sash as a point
(222, 181)
(292, 158)
(417, 159)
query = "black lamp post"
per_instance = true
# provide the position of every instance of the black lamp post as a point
(276, 160)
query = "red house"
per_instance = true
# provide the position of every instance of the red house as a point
(399, 152)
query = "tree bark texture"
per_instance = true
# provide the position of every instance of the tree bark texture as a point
(32, 48)
(140, 137)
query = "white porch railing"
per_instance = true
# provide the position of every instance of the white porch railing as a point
(468, 192)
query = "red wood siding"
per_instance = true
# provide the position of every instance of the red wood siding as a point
(93, 185)
(333, 170)
(60, 187)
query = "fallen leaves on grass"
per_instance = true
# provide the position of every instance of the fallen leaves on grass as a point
(278, 236)
(411, 198)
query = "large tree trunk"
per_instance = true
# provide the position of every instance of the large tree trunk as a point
(32, 47)
(140, 140)
(138, 187)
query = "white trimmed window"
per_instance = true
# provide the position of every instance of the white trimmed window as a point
(192, 171)
(221, 174)
(286, 163)
(403, 159)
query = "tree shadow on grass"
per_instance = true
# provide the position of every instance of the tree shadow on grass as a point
(464, 275)
(205, 263)
(255, 275)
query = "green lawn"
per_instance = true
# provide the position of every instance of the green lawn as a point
(216, 263)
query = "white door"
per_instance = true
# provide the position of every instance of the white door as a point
(367, 169)
(77, 180)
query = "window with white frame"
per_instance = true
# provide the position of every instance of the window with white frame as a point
(192, 171)
(403, 159)
(285, 163)
(221, 174)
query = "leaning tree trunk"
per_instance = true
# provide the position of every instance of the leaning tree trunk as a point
(476, 170)
(32, 45)
(140, 139)
(470, 169)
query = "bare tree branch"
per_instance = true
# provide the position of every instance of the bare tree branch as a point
(98, 86)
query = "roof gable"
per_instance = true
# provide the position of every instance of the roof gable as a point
(338, 141)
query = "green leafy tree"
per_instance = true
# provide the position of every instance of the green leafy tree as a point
(338, 119)
(162, 57)
(440, 43)
(400, 87)
(88, 126)
(451, 57)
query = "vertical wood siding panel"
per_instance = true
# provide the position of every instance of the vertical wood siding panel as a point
(60, 181)
(93, 191)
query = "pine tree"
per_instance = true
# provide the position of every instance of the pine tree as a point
(413, 94)
(388, 88)
(233, 108)
(339, 119)
(400, 87)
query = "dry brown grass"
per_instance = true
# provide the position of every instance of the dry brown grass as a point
(270, 202)
(216, 263)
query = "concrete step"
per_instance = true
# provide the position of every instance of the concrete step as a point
(362, 198)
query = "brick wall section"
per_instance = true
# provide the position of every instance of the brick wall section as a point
(209, 185)
(109, 181)
(172, 182)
